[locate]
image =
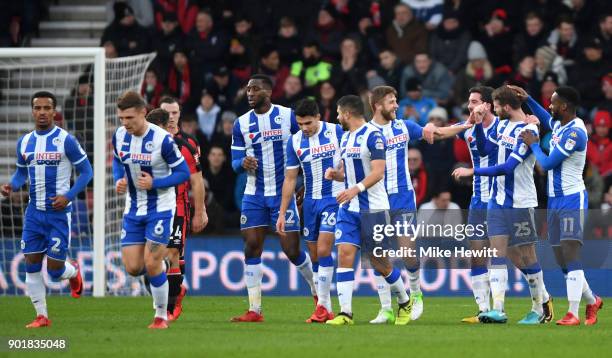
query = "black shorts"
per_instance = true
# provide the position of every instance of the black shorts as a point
(180, 227)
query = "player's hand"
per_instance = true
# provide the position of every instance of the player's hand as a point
(520, 92)
(280, 225)
(249, 163)
(529, 138)
(347, 195)
(6, 190)
(199, 222)
(145, 181)
(59, 202)
(480, 111)
(429, 132)
(121, 186)
(330, 173)
(531, 119)
(462, 172)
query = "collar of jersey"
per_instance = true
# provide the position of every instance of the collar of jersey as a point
(265, 114)
(45, 133)
(568, 124)
(145, 133)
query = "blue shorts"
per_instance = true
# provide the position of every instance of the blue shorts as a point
(517, 223)
(46, 231)
(320, 215)
(404, 200)
(566, 216)
(259, 210)
(137, 229)
(354, 228)
(477, 218)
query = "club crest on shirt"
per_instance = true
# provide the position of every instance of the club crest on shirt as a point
(56, 141)
(397, 124)
(523, 149)
(569, 144)
(359, 139)
(328, 133)
(278, 119)
(149, 146)
(379, 144)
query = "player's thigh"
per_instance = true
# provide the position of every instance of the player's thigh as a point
(325, 243)
(477, 224)
(348, 229)
(500, 244)
(523, 229)
(158, 227)
(312, 250)
(528, 255)
(254, 212)
(154, 253)
(290, 243)
(58, 237)
(133, 230)
(571, 250)
(292, 215)
(346, 255)
(254, 240)
(312, 220)
(34, 236)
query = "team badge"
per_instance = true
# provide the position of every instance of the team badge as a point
(379, 144)
(243, 219)
(56, 141)
(359, 139)
(22, 243)
(278, 119)
(306, 231)
(398, 125)
(573, 134)
(569, 144)
(523, 149)
(149, 146)
(328, 133)
(338, 233)
(123, 233)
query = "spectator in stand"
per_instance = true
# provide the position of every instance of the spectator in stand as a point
(78, 113)
(110, 51)
(143, 11)
(168, 39)
(604, 34)
(438, 157)
(185, 11)
(10, 23)
(547, 60)
(477, 72)
(210, 46)
(428, 12)
(389, 70)
(418, 175)
(586, 76)
(550, 10)
(288, 42)
(189, 125)
(208, 114)
(549, 85)
(406, 36)
(497, 39)
(224, 86)
(243, 48)
(221, 178)
(584, 12)
(128, 36)
(223, 138)
(292, 92)
(564, 40)
(532, 37)
(594, 185)
(606, 89)
(599, 148)
(152, 89)
(181, 82)
(415, 107)
(311, 69)
(435, 79)
(523, 76)
(328, 33)
(441, 211)
(449, 42)
(270, 65)
(348, 75)
(326, 97)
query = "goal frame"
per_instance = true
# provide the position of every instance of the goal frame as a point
(99, 145)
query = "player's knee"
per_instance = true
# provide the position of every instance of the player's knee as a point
(252, 249)
(55, 274)
(134, 270)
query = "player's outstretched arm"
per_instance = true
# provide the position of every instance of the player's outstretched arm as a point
(288, 188)
(543, 116)
(85, 175)
(497, 170)
(483, 143)
(450, 132)
(180, 174)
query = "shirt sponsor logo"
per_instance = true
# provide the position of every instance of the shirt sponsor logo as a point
(353, 152)
(397, 142)
(141, 158)
(45, 158)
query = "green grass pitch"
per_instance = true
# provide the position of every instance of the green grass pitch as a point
(117, 326)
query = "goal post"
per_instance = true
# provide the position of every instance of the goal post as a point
(26, 70)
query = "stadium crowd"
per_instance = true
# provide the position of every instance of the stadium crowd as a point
(432, 52)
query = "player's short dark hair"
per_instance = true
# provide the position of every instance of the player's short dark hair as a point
(380, 92)
(267, 81)
(43, 94)
(307, 107)
(169, 100)
(158, 117)
(506, 96)
(131, 99)
(568, 95)
(352, 104)
(485, 92)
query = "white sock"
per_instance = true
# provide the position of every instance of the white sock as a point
(397, 287)
(345, 289)
(545, 294)
(323, 287)
(69, 272)
(482, 291)
(253, 276)
(306, 271)
(587, 294)
(414, 281)
(160, 299)
(384, 292)
(534, 281)
(498, 279)
(36, 290)
(574, 290)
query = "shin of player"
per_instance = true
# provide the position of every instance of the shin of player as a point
(47, 155)
(147, 165)
(567, 195)
(315, 148)
(258, 147)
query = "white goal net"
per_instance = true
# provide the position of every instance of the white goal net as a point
(87, 87)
